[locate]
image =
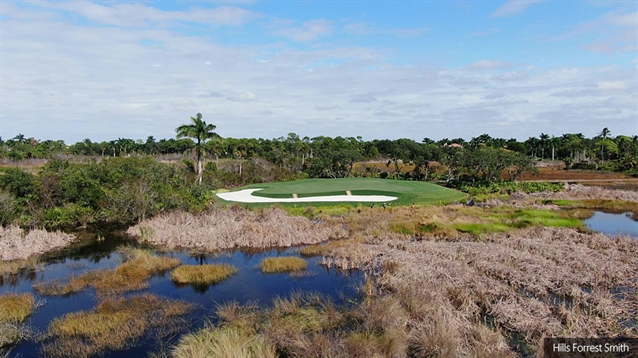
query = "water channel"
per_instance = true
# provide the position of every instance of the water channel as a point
(249, 284)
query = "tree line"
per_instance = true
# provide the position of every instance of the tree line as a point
(323, 156)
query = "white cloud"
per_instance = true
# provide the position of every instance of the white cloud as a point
(139, 15)
(244, 97)
(309, 30)
(326, 106)
(630, 19)
(57, 83)
(615, 86)
(489, 65)
(363, 28)
(514, 7)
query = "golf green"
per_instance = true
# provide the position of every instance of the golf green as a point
(407, 192)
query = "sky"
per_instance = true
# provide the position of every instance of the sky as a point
(262, 69)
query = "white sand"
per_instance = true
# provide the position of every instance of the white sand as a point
(246, 196)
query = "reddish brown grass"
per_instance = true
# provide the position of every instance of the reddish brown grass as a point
(550, 173)
(234, 228)
(16, 244)
(579, 192)
(519, 279)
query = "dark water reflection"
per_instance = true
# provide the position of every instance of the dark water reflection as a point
(613, 224)
(249, 284)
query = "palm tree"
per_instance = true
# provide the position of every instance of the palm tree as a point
(543, 139)
(603, 135)
(198, 130)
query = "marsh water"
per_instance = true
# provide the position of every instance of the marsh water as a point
(613, 224)
(249, 284)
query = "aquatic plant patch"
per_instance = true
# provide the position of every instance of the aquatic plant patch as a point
(14, 309)
(115, 324)
(133, 274)
(282, 264)
(201, 275)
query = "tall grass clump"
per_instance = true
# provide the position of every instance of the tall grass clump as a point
(14, 309)
(139, 266)
(115, 324)
(201, 275)
(16, 244)
(236, 227)
(282, 264)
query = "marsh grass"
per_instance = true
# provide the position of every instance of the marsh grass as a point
(14, 267)
(17, 244)
(133, 274)
(235, 227)
(115, 324)
(202, 275)
(587, 205)
(282, 264)
(14, 310)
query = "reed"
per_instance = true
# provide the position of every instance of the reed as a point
(236, 227)
(16, 244)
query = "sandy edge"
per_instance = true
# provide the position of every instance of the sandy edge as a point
(245, 196)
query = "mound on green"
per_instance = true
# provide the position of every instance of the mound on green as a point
(407, 192)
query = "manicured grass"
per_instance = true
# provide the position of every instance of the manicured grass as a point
(407, 192)
(282, 264)
(202, 274)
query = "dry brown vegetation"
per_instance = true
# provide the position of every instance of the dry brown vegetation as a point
(14, 309)
(16, 244)
(556, 173)
(13, 267)
(312, 326)
(538, 282)
(133, 274)
(202, 274)
(450, 281)
(115, 324)
(234, 228)
(577, 191)
(282, 264)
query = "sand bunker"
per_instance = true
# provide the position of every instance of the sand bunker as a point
(246, 196)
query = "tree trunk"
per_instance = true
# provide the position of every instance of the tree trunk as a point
(552, 153)
(240, 162)
(199, 170)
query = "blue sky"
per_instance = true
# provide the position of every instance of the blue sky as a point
(385, 69)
